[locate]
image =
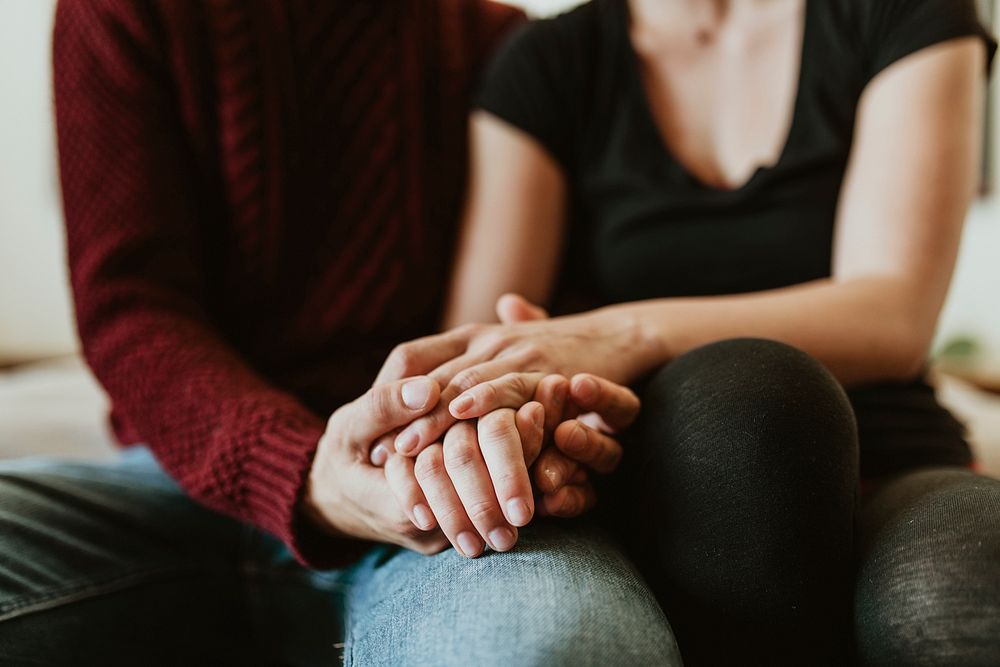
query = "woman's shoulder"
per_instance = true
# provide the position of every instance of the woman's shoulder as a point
(882, 32)
(566, 52)
(571, 39)
(543, 77)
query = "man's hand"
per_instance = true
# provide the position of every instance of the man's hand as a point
(348, 496)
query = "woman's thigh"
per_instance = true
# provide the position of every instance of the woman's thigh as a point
(565, 596)
(928, 590)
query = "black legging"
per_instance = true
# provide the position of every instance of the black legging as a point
(741, 497)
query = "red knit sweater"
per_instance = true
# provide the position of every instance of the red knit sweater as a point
(260, 199)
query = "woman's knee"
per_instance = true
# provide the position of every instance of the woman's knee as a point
(747, 403)
(928, 590)
(746, 453)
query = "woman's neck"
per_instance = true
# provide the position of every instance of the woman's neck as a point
(701, 19)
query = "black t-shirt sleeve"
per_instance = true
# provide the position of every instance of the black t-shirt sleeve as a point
(895, 29)
(529, 85)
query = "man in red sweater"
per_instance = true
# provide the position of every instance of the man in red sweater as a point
(260, 201)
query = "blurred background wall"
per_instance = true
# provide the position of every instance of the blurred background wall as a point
(35, 310)
(34, 303)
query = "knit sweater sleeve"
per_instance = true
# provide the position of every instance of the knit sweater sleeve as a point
(136, 222)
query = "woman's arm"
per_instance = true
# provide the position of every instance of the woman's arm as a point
(911, 177)
(513, 226)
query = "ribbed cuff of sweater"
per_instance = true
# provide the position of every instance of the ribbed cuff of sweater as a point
(276, 482)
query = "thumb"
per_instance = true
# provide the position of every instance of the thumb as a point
(513, 308)
(388, 406)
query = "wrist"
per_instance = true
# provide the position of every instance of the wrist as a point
(637, 342)
(318, 504)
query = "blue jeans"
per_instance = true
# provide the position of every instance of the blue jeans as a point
(113, 564)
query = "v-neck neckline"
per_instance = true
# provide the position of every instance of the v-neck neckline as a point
(635, 79)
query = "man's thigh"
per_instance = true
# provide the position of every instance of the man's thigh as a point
(566, 595)
(112, 563)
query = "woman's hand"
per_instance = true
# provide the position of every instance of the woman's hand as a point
(584, 444)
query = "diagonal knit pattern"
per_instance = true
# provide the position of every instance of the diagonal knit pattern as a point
(260, 198)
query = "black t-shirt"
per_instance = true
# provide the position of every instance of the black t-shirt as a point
(644, 227)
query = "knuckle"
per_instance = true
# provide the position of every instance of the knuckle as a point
(453, 516)
(379, 404)
(469, 330)
(481, 511)
(529, 354)
(466, 380)
(508, 480)
(488, 393)
(485, 396)
(402, 359)
(429, 464)
(496, 426)
(518, 384)
(460, 454)
(492, 342)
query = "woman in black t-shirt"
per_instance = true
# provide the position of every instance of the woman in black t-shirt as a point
(763, 200)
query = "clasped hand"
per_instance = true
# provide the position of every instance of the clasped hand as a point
(467, 479)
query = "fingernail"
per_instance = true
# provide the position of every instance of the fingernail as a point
(416, 393)
(462, 404)
(406, 442)
(469, 544)
(425, 520)
(555, 479)
(586, 388)
(379, 455)
(501, 539)
(538, 417)
(576, 441)
(518, 512)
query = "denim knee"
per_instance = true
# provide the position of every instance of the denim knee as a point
(562, 597)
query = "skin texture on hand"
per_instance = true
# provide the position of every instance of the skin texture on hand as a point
(478, 477)
(345, 494)
(471, 355)
(474, 483)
